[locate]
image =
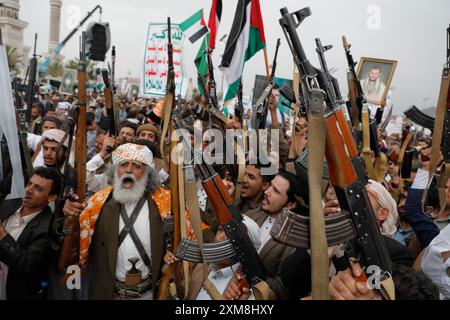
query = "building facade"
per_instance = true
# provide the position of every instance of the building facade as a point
(12, 27)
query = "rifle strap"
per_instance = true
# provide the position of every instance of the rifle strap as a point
(211, 289)
(168, 103)
(182, 204)
(129, 229)
(388, 288)
(438, 127)
(316, 154)
(444, 176)
(262, 291)
(294, 136)
(352, 97)
(366, 151)
(380, 167)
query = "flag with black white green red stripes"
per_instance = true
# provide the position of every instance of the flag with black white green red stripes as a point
(245, 40)
(194, 27)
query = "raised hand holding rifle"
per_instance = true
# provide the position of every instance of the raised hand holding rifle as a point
(356, 94)
(260, 109)
(360, 114)
(111, 108)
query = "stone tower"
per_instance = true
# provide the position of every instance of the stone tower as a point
(55, 20)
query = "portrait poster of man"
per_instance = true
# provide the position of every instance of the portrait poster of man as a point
(376, 77)
(68, 81)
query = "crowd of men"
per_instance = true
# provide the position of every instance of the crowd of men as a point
(122, 217)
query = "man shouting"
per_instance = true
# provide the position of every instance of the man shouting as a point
(121, 228)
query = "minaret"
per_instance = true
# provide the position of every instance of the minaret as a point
(55, 20)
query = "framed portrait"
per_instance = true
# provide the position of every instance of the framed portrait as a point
(69, 78)
(375, 76)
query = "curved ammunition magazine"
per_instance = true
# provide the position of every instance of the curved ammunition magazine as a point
(293, 229)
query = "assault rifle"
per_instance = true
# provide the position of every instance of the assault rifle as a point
(356, 93)
(212, 90)
(168, 273)
(260, 109)
(239, 108)
(113, 127)
(27, 165)
(211, 108)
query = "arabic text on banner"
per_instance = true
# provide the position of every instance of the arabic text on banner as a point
(156, 60)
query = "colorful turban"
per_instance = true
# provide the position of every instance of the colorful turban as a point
(55, 135)
(133, 152)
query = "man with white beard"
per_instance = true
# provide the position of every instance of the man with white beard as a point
(121, 228)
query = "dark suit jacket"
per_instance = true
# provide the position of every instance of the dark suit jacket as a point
(27, 258)
(104, 249)
(272, 255)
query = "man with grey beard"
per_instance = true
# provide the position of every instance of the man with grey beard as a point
(121, 228)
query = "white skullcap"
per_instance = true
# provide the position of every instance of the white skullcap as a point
(252, 231)
(133, 152)
(55, 135)
(135, 121)
(385, 200)
(64, 105)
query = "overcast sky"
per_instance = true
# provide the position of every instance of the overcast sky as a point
(411, 32)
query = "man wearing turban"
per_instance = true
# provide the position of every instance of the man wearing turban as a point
(125, 258)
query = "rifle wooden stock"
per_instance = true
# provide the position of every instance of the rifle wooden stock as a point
(174, 189)
(81, 135)
(219, 205)
(347, 134)
(70, 248)
(340, 166)
(366, 152)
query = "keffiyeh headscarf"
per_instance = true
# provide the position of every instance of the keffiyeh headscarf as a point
(55, 135)
(385, 200)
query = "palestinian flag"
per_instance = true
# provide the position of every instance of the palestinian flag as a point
(194, 27)
(214, 20)
(201, 60)
(246, 38)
